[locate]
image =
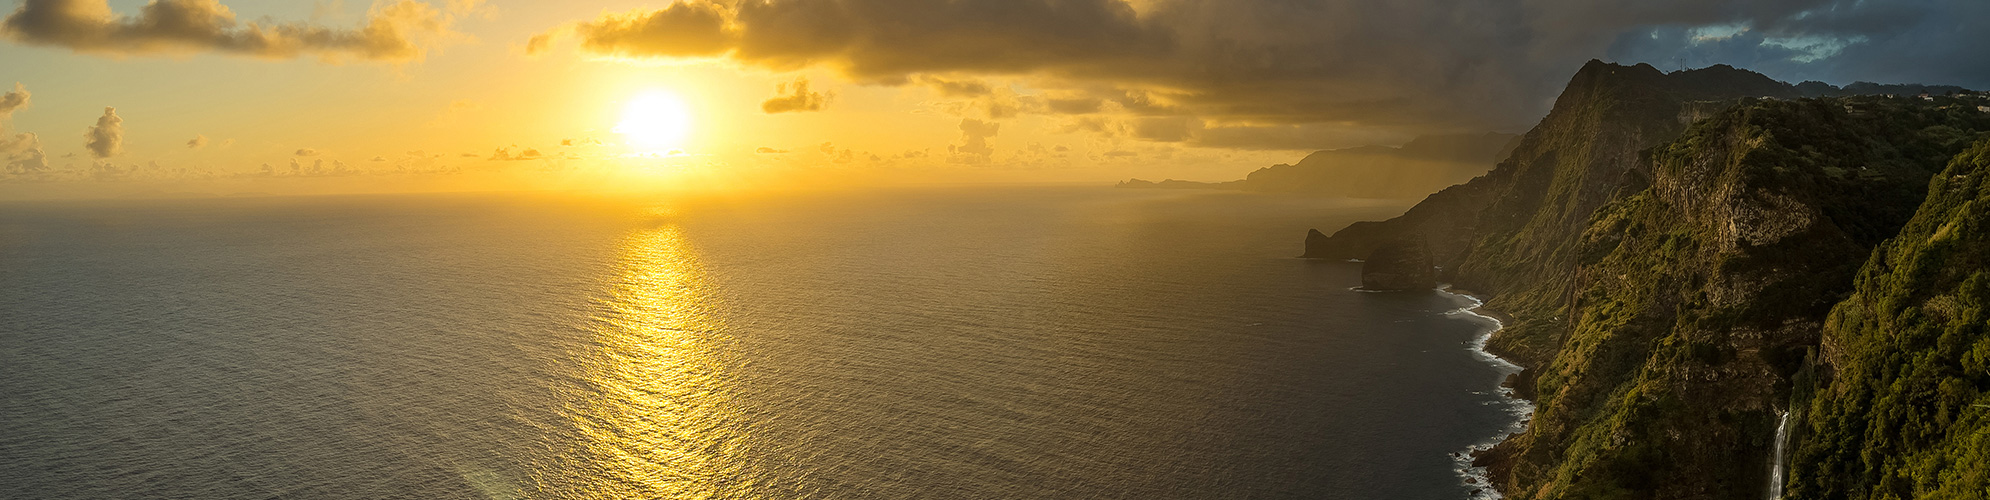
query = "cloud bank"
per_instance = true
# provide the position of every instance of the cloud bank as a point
(393, 31)
(1287, 73)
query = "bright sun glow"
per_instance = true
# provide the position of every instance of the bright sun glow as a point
(654, 122)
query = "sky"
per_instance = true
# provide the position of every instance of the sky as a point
(476, 94)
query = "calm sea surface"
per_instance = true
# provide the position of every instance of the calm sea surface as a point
(976, 343)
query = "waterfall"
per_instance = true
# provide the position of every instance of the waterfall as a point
(1776, 459)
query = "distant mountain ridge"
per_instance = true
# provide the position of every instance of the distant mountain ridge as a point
(1409, 171)
(1668, 246)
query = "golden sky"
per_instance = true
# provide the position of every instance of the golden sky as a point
(568, 94)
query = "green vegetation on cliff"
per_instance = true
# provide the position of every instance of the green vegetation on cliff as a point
(1660, 356)
(1668, 247)
(1904, 411)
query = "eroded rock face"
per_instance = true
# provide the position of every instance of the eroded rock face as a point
(1399, 265)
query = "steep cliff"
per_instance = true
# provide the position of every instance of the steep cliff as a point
(1904, 406)
(1570, 163)
(1685, 306)
(1667, 246)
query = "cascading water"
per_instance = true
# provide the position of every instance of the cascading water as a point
(1776, 458)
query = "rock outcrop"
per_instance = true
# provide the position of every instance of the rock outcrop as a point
(1401, 265)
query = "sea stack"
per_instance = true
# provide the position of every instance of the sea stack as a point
(1399, 265)
(1316, 244)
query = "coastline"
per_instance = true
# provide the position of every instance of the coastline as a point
(1522, 410)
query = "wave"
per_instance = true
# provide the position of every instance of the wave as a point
(1521, 409)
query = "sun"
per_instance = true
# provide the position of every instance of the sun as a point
(655, 121)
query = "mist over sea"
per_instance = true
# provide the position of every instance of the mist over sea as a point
(976, 343)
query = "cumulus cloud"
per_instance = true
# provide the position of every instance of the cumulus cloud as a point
(198, 141)
(974, 147)
(795, 96)
(393, 31)
(23, 153)
(1411, 66)
(106, 138)
(13, 100)
(306, 152)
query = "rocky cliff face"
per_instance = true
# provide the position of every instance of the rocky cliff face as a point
(1687, 305)
(1667, 246)
(1400, 266)
(1899, 404)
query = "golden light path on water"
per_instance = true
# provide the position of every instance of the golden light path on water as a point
(659, 420)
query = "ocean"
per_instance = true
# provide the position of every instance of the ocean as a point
(956, 342)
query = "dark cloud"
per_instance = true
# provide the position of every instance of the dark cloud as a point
(13, 100)
(198, 141)
(956, 87)
(393, 30)
(1938, 42)
(1406, 67)
(682, 29)
(1293, 137)
(795, 96)
(1165, 129)
(106, 138)
(1075, 106)
(307, 152)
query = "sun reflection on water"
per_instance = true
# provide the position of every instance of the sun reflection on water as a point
(657, 420)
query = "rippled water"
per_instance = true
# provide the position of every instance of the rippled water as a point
(920, 343)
